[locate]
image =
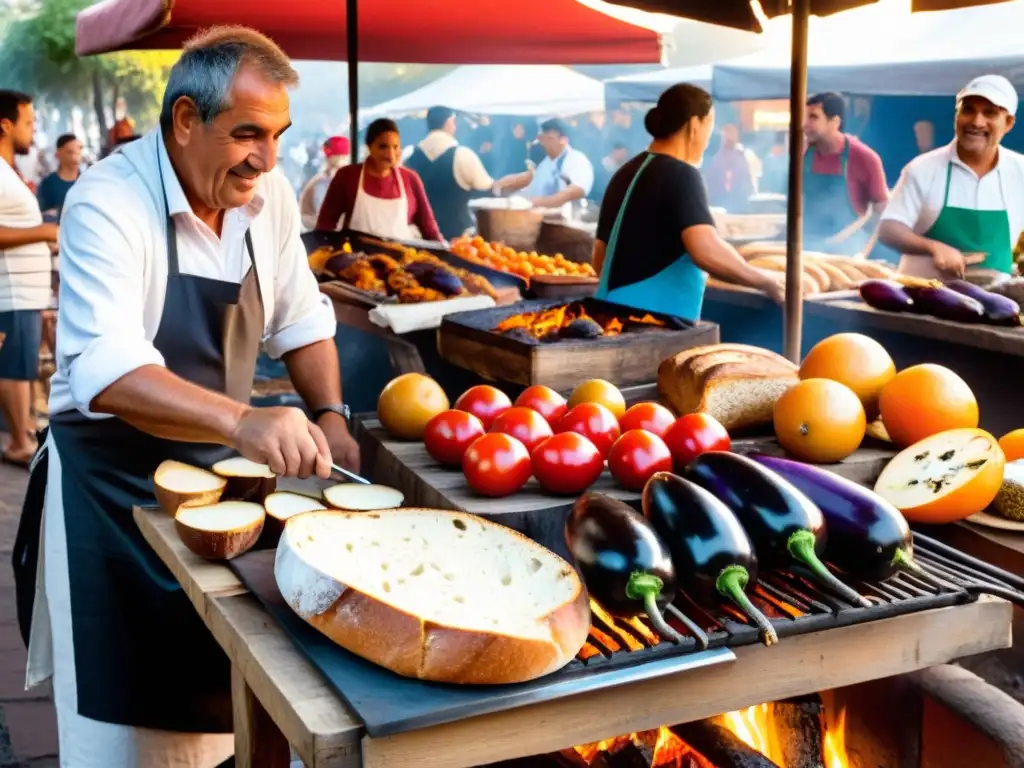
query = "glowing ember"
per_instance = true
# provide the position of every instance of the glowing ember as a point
(571, 321)
(835, 742)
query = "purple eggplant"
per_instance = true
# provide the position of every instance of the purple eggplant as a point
(999, 310)
(783, 524)
(945, 304)
(867, 536)
(887, 295)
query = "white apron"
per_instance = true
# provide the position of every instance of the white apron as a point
(381, 217)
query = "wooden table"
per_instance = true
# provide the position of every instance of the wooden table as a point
(280, 699)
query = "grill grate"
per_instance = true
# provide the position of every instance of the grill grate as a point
(796, 605)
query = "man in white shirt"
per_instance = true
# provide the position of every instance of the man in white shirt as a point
(180, 255)
(964, 199)
(25, 278)
(451, 173)
(564, 175)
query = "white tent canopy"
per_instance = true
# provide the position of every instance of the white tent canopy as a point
(876, 50)
(500, 90)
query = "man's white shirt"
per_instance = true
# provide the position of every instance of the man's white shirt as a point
(24, 271)
(113, 268)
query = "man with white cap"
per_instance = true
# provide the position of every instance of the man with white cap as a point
(962, 203)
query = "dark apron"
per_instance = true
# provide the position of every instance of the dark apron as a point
(828, 209)
(143, 657)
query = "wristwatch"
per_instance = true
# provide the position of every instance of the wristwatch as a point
(341, 409)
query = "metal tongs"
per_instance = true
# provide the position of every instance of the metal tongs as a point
(350, 475)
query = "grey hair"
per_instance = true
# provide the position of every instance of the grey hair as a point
(209, 63)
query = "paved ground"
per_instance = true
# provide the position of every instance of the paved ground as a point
(28, 728)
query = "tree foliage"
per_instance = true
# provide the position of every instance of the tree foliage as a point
(37, 55)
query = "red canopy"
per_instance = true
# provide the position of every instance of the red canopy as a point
(414, 31)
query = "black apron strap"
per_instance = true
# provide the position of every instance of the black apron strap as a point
(25, 557)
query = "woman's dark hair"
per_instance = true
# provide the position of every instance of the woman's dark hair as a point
(379, 126)
(675, 108)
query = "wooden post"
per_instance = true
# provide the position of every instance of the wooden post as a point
(352, 50)
(258, 741)
(793, 314)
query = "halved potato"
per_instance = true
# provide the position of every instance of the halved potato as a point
(280, 507)
(176, 484)
(220, 531)
(247, 480)
(356, 497)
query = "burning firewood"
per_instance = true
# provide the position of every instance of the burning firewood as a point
(721, 746)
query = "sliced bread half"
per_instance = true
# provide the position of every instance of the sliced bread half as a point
(176, 484)
(431, 594)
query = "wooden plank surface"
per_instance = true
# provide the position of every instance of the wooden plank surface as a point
(798, 665)
(201, 579)
(308, 713)
(259, 743)
(1009, 341)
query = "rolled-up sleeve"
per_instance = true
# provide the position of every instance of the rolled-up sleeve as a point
(302, 315)
(906, 203)
(101, 336)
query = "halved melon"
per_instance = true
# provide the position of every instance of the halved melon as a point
(220, 531)
(176, 484)
(945, 477)
(357, 497)
(281, 506)
(247, 480)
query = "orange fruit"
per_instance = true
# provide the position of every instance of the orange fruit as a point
(820, 421)
(599, 391)
(408, 402)
(945, 477)
(924, 400)
(853, 359)
(1012, 444)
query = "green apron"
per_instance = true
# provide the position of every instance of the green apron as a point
(971, 231)
(677, 290)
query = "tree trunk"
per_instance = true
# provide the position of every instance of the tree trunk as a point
(98, 106)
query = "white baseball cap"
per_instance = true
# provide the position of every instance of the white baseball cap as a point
(995, 88)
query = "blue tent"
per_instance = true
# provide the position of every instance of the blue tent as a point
(646, 88)
(924, 55)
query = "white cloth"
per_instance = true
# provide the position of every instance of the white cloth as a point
(379, 216)
(918, 198)
(83, 742)
(572, 164)
(25, 270)
(468, 168)
(114, 268)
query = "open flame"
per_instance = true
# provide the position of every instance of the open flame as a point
(754, 726)
(550, 323)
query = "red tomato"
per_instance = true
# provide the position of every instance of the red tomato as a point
(545, 401)
(636, 456)
(594, 422)
(567, 463)
(483, 401)
(650, 416)
(449, 434)
(496, 465)
(694, 434)
(524, 424)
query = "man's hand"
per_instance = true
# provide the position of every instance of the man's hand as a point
(49, 231)
(947, 259)
(285, 440)
(775, 286)
(344, 448)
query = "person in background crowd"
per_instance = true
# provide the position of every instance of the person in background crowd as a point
(610, 164)
(484, 138)
(451, 173)
(514, 149)
(25, 279)
(378, 196)
(565, 174)
(924, 136)
(336, 154)
(728, 174)
(844, 182)
(656, 237)
(966, 197)
(54, 188)
(775, 176)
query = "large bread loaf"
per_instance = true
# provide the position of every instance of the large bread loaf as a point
(443, 596)
(736, 383)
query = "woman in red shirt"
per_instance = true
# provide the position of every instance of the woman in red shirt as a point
(378, 196)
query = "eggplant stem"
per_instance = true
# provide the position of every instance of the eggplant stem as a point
(654, 614)
(732, 582)
(801, 547)
(695, 629)
(905, 560)
(646, 587)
